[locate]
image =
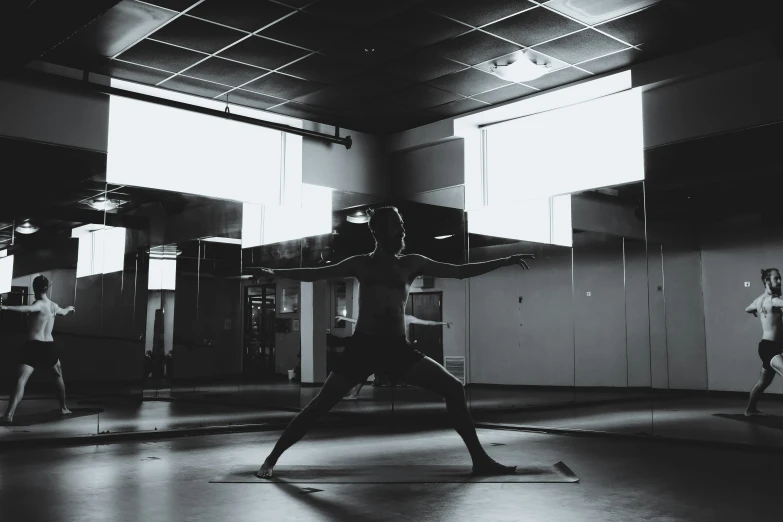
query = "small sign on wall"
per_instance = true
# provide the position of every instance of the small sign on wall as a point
(296, 325)
(747, 284)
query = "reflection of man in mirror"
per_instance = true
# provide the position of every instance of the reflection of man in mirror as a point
(353, 394)
(379, 344)
(39, 352)
(767, 307)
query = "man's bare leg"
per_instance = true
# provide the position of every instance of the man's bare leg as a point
(335, 387)
(765, 379)
(430, 375)
(60, 386)
(16, 396)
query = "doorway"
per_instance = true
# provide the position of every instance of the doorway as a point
(427, 339)
(259, 335)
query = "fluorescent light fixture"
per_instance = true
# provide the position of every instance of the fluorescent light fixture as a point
(594, 12)
(444, 237)
(227, 240)
(26, 227)
(521, 70)
(6, 273)
(360, 216)
(164, 252)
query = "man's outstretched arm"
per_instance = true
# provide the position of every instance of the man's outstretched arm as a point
(343, 318)
(22, 308)
(64, 311)
(424, 322)
(428, 267)
(345, 268)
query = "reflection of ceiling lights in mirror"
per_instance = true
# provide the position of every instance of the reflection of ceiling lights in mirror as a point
(102, 203)
(444, 237)
(360, 216)
(26, 227)
(228, 240)
(521, 70)
(164, 252)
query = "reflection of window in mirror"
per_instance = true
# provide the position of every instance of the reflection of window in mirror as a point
(290, 300)
(340, 303)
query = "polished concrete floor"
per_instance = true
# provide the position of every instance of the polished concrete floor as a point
(620, 480)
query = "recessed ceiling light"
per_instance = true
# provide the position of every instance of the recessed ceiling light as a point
(369, 49)
(521, 70)
(102, 203)
(27, 228)
(444, 237)
(358, 217)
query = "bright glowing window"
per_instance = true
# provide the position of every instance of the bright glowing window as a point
(101, 249)
(6, 273)
(162, 274)
(176, 150)
(543, 220)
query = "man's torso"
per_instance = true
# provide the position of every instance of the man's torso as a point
(771, 318)
(42, 322)
(384, 284)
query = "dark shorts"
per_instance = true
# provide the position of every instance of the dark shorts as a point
(366, 355)
(768, 350)
(41, 355)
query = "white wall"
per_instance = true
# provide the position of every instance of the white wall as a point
(34, 112)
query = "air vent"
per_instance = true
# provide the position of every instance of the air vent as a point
(455, 366)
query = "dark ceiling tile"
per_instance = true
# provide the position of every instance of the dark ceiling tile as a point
(320, 68)
(161, 56)
(581, 46)
(503, 94)
(365, 48)
(133, 73)
(419, 28)
(592, 12)
(423, 96)
(197, 35)
(376, 83)
(359, 13)
(252, 99)
(118, 28)
(334, 97)
(422, 66)
(305, 112)
(249, 16)
(468, 82)
(478, 13)
(613, 61)
(282, 86)
(175, 5)
(473, 48)
(263, 52)
(648, 25)
(225, 72)
(297, 4)
(557, 78)
(457, 107)
(193, 86)
(305, 31)
(533, 27)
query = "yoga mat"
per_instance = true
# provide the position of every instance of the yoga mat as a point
(396, 474)
(42, 417)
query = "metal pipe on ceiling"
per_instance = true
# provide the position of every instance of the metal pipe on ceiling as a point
(85, 85)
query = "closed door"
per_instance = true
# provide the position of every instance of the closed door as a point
(426, 339)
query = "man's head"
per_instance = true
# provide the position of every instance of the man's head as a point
(387, 228)
(40, 285)
(771, 279)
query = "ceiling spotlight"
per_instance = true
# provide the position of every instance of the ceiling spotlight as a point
(102, 203)
(359, 216)
(26, 227)
(522, 70)
(369, 49)
(444, 237)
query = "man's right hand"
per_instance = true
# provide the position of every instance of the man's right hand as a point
(519, 259)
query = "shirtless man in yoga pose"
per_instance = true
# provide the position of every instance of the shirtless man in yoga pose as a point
(39, 351)
(409, 320)
(379, 343)
(767, 307)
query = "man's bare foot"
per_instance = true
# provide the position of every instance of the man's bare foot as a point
(65, 411)
(351, 397)
(266, 470)
(755, 413)
(490, 467)
(5, 419)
